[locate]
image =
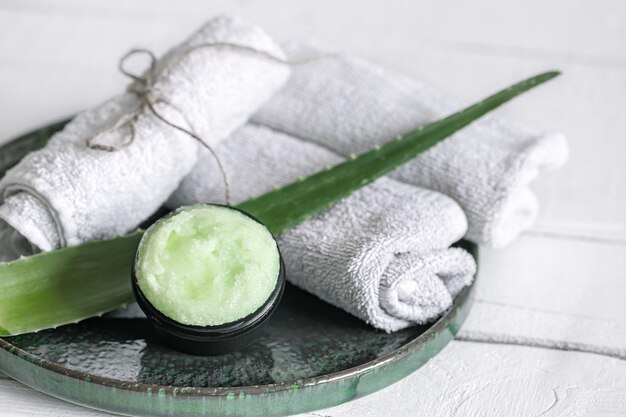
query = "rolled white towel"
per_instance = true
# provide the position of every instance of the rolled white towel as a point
(383, 254)
(349, 105)
(68, 193)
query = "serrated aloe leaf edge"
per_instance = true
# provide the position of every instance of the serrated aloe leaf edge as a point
(71, 284)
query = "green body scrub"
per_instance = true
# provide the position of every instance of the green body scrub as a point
(207, 265)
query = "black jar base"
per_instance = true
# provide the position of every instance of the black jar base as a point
(210, 340)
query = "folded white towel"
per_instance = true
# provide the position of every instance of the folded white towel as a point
(68, 193)
(349, 105)
(382, 254)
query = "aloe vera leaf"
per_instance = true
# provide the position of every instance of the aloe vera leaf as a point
(68, 285)
(285, 207)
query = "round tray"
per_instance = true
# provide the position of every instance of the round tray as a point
(310, 356)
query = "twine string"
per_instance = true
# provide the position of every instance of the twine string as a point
(144, 88)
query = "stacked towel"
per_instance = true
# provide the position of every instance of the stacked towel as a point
(383, 254)
(68, 193)
(350, 105)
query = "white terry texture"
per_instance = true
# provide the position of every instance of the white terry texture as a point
(349, 105)
(382, 254)
(67, 193)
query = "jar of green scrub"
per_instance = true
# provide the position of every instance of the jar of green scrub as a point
(208, 277)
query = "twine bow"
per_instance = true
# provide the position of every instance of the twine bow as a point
(144, 88)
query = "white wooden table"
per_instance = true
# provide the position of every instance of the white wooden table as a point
(547, 336)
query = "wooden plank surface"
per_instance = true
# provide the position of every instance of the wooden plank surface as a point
(466, 379)
(545, 291)
(561, 285)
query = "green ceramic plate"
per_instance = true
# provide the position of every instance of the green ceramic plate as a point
(310, 356)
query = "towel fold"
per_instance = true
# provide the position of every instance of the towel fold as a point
(349, 105)
(68, 193)
(383, 254)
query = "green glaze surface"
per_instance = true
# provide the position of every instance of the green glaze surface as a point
(310, 356)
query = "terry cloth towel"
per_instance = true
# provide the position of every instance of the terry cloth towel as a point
(382, 254)
(68, 193)
(349, 105)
